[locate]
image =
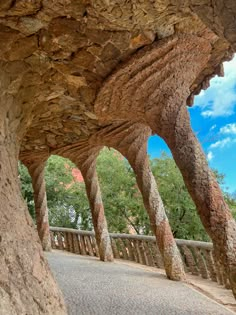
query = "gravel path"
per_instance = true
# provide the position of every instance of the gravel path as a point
(92, 287)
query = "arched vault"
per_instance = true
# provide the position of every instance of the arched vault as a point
(79, 74)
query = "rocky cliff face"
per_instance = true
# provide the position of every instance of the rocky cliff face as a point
(77, 75)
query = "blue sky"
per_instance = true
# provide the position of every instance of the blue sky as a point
(213, 119)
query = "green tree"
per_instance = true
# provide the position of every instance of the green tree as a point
(26, 188)
(179, 206)
(68, 203)
(122, 199)
(66, 198)
(231, 201)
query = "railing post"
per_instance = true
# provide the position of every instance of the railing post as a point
(142, 252)
(211, 265)
(139, 255)
(148, 254)
(130, 249)
(114, 248)
(89, 246)
(60, 241)
(201, 263)
(82, 245)
(52, 237)
(71, 245)
(123, 250)
(136, 258)
(95, 247)
(190, 260)
(76, 243)
(66, 241)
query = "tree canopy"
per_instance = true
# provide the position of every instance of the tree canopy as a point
(179, 206)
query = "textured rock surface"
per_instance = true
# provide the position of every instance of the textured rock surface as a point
(26, 285)
(87, 164)
(36, 170)
(132, 143)
(74, 75)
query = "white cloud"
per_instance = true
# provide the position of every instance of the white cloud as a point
(202, 93)
(210, 156)
(220, 98)
(207, 113)
(221, 143)
(228, 129)
(213, 127)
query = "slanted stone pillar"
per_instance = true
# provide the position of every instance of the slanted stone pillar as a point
(174, 127)
(87, 165)
(27, 285)
(36, 170)
(132, 143)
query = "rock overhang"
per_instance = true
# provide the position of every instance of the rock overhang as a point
(64, 59)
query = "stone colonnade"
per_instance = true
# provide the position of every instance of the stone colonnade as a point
(134, 149)
(131, 141)
(136, 153)
(163, 72)
(80, 72)
(86, 162)
(159, 78)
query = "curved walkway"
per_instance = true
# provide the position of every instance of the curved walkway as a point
(92, 287)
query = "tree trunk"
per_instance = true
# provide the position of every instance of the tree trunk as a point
(133, 146)
(36, 171)
(174, 127)
(87, 167)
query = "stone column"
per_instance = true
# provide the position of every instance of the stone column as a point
(134, 147)
(174, 127)
(36, 170)
(87, 166)
(27, 285)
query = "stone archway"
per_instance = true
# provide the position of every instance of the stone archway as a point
(70, 71)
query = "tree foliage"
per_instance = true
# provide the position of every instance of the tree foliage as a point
(26, 188)
(66, 198)
(67, 201)
(179, 206)
(121, 197)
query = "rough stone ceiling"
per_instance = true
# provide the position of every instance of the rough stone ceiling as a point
(66, 57)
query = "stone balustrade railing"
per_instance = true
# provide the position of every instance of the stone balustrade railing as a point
(197, 256)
